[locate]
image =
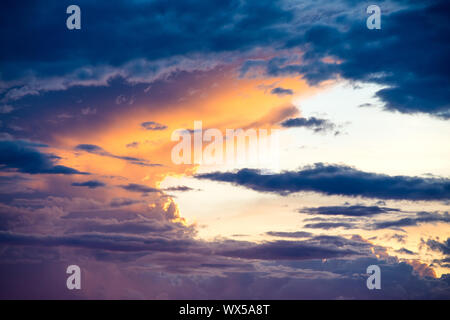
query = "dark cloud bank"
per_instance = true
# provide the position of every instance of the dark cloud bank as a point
(416, 79)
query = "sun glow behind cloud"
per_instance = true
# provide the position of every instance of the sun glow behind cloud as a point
(240, 213)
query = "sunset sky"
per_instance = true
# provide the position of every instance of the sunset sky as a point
(360, 174)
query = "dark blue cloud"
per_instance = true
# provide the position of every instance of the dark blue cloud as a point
(281, 91)
(179, 188)
(148, 29)
(24, 157)
(133, 187)
(288, 250)
(283, 234)
(443, 247)
(405, 251)
(383, 222)
(329, 225)
(414, 69)
(92, 184)
(313, 123)
(338, 180)
(41, 47)
(421, 217)
(353, 211)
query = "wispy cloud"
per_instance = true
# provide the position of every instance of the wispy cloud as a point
(94, 149)
(152, 125)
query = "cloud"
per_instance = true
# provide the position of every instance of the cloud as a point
(146, 256)
(335, 279)
(445, 263)
(121, 202)
(405, 251)
(338, 180)
(281, 91)
(126, 227)
(16, 183)
(133, 187)
(179, 188)
(414, 81)
(332, 37)
(329, 225)
(282, 234)
(284, 250)
(92, 184)
(313, 123)
(24, 157)
(132, 144)
(377, 221)
(113, 242)
(318, 247)
(443, 247)
(421, 217)
(91, 148)
(99, 55)
(399, 238)
(151, 125)
(353, 211)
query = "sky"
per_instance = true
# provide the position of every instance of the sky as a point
(351, 125)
